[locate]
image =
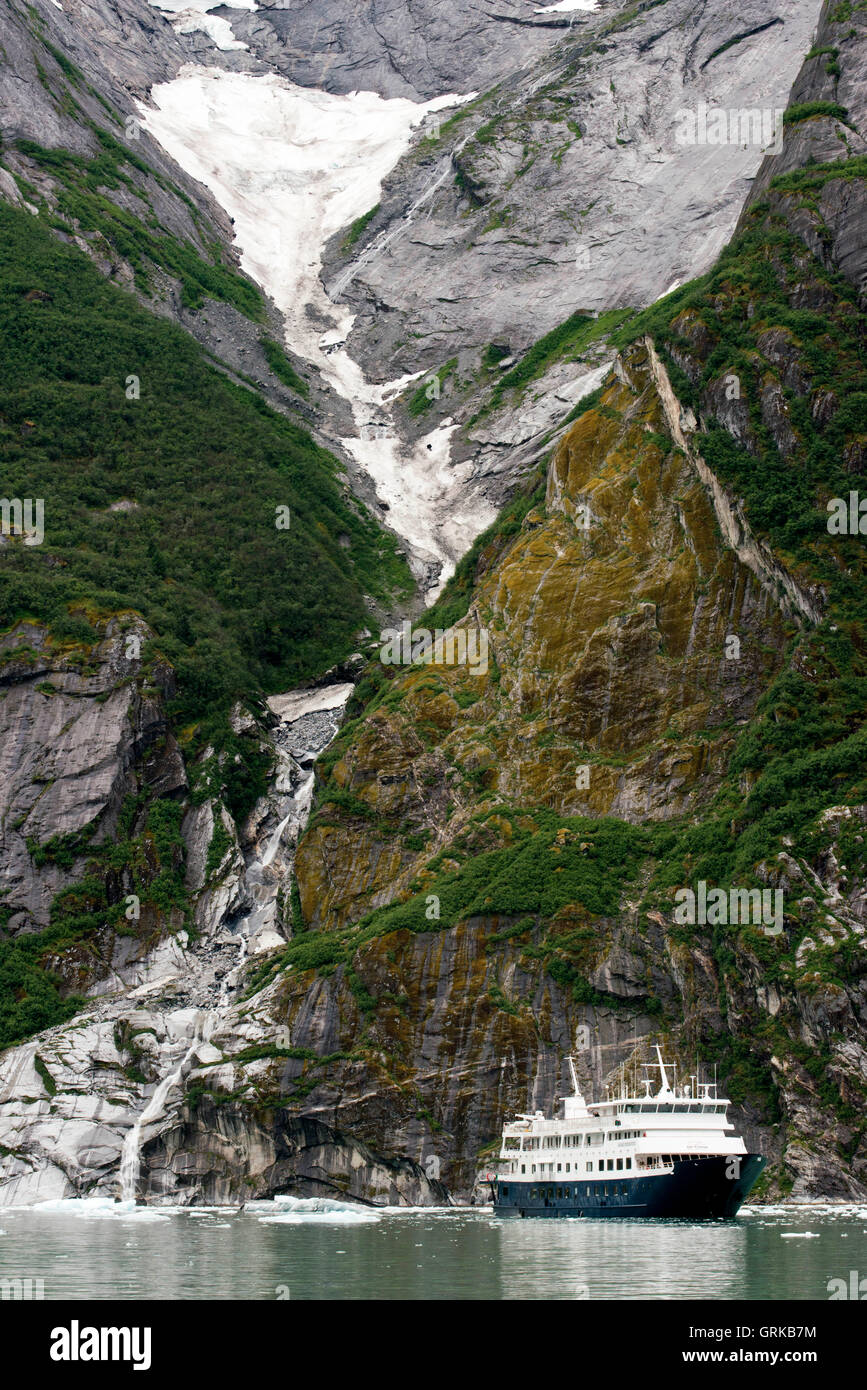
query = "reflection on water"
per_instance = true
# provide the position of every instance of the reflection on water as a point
(325, 1249)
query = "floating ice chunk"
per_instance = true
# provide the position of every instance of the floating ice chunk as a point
(293, 1211)
(321, 1218)
(97, 1208)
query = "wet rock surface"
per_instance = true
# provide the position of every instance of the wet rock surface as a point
(374, 1071)
(569, 186)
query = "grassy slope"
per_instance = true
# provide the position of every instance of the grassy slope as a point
(238, 606)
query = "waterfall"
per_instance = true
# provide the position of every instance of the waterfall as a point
(243, 948)
(274, 843)
(129, 1160)
(308, 721)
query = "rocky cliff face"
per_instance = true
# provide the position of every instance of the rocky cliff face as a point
(568, 186)
(159, 1003)
(437, 46)
(642, 562)
(609, 647)
(81, 729)
(672, 683)
(572, 184)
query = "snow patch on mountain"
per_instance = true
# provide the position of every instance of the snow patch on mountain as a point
(292, 166)
(193, 15)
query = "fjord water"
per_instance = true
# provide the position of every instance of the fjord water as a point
(310, 1249)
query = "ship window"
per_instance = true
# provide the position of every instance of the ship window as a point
(568, 1167)
(587, 1191)
(588, 1168)
(504, 1191)
(664, 1109)
(602, 1165)
(629, 1162)
(523, 1167)
(605, 1190)
(559, 1192)
(610, 1164)
(559, 1167)
(619, 1163)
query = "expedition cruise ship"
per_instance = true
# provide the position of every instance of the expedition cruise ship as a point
(670, 1154)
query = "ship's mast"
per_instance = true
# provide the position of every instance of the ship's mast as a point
(575, 1106)
(665, 1089)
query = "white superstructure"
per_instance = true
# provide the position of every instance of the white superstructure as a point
(631, 1135)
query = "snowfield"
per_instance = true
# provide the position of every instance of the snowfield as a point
(293, 165)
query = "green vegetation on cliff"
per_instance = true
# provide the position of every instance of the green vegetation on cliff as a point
(805, 750)
(552, 864)
(148, 856)
(801, 374)
(168, 503)
(136, 236)
(162, 484)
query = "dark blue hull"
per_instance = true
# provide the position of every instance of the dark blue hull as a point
(699, 1189)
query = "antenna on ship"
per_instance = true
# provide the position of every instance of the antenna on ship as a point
(665, 1088)
(575, 1105)
(575, 1086)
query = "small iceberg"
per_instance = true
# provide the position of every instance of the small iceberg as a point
(295, 1211)
(98, 1208)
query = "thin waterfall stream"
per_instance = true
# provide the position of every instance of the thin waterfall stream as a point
(308, 720)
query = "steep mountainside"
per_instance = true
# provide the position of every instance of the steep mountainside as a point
(568, 189)
(180, 547)
(669, 682)
(468, 901)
